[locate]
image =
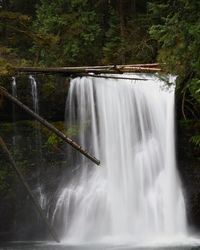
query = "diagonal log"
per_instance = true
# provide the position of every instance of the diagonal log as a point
(28, 190)
(49, 126)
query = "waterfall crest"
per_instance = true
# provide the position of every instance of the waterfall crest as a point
(136, 193)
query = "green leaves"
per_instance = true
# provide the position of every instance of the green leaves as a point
(77, 32)
(195, 140)
(194, 88)
(75, 25)
(177, 32)
(15, 17)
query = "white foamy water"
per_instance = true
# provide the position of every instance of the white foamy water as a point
(34, 94)
(135, 195)
(14, 87)
(14, 93)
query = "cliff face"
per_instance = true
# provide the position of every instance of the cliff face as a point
(52, 92)
(188, 158)
(43, 162)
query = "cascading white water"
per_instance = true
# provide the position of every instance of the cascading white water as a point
(38, 144)
(34, 94)
(14, 87)
(14, 93)
(42, 197)
(136, 193)
(35, 100)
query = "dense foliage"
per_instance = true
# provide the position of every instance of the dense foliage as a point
(76, 32)
(177, 30)
(89, 32)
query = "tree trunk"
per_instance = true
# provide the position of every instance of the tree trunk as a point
(122, 28)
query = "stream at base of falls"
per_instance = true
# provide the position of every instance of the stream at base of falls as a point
(190, 244)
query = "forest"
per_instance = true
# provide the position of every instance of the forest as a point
(62, 33)
(75, 32)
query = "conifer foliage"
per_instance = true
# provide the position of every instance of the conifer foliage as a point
(90, 32)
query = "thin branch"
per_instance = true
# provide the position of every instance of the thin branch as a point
(183, 105)
(111, 77)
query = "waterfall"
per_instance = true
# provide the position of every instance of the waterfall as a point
(35, 100)
(14, 93)
(38, 146)
(34, 94)
(136, 193)
(14, 87)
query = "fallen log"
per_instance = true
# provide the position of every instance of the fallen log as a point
(28, 190)
(49, 126)
(64, 71)
(109, 69)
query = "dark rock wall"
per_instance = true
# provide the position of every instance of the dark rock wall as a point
(42, 167)
(52, 92)
(188, 158)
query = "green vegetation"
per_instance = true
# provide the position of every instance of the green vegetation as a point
(88, 32)
(196, 140)
(75, 32)
(176, 29)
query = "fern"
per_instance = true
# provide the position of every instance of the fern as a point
(195, 140)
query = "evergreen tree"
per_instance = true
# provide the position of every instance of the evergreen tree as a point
(77, 27)
(177, 32)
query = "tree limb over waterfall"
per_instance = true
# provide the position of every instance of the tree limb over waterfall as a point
(109, 69)
(111, 77)
(49, 126)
